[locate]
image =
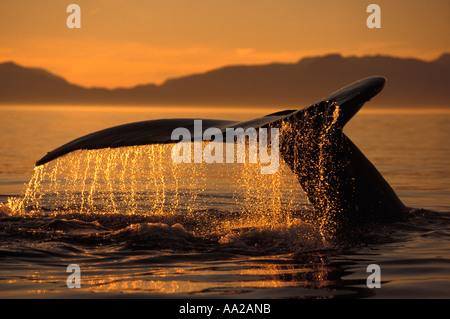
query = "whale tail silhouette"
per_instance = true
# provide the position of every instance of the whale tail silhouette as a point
(343, 186)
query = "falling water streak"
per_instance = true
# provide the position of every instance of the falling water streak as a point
(54, 180)
(37, 194)
(90, 199)
(323, 160)
(173, 170)
(124, 159)
(109, 180)
(276, 196)
(203, 177)
(163, 184)
(18, 205)
(191, 194)
(155, 182)
(170, 180)
(88, 160)
(34, 199)
(75, 173)
(135, 152)
(132, 179)
(111, 159)
(286, 130)
(248, 193)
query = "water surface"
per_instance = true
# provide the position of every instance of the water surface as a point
(146, 228)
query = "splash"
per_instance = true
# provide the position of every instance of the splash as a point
(144, 180)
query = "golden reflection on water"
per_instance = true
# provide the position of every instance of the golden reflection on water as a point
(188, 278)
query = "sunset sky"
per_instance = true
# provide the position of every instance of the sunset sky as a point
(125, 43)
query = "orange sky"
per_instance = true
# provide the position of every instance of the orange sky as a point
(125, 43)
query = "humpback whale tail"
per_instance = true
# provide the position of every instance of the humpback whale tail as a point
(342, 185)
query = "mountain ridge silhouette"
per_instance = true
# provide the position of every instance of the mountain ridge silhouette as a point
(411, 82)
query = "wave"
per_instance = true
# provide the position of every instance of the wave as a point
(205, 231)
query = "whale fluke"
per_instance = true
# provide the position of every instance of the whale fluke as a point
(342, 185)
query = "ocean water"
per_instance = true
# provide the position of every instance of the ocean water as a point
(138, 225)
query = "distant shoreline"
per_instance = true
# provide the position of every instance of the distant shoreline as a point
(410, 83)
